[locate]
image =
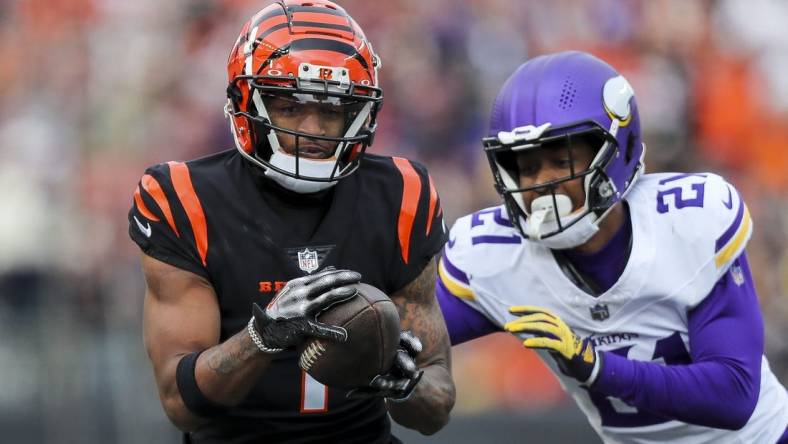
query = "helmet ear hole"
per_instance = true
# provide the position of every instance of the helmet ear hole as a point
(234, 94)
(630, 148)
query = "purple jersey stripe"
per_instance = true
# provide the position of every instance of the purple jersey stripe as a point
(679, 176)
(498, 217)
(491, 239)
(462, 321)
(453, 271)
(783, 439)
(731, 231)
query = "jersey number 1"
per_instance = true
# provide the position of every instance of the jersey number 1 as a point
(314, 395)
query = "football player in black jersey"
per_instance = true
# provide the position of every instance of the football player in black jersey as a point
(243, 248)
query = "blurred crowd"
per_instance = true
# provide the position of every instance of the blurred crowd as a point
(93, 91)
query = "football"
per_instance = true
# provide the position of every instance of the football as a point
(372, 323)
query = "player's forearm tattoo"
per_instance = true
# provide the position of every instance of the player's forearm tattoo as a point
(419, 313)
(228, 371)
(422, 289)
(224, 362)
(435, 394)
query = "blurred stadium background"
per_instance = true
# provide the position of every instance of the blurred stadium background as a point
(92, 91)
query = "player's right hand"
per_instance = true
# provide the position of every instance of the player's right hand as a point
(289, 318)
(576, 356)
(398, 383)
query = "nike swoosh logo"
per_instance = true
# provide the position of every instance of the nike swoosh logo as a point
(729, 203)
(451, 242)
(146, 229)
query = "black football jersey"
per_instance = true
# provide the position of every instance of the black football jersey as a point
(217, 218)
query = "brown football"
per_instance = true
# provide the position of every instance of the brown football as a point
(372, 323)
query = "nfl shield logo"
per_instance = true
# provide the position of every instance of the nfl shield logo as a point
(738, 275)
(307, 260)
(599, 312)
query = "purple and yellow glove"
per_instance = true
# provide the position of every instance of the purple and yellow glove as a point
(575, 356)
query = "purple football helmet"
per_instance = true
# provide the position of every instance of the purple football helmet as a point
(553, 99)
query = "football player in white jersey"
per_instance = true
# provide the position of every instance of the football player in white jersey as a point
(634, 288)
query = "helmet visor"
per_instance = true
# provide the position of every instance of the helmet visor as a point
(518, 162)
(311, 125)
(555, 168)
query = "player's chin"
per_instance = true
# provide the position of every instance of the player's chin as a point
(320, 157)
(315, 152)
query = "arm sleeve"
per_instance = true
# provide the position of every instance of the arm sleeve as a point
(720, 387)
(463, 322)
(465, 317)
(158, 224)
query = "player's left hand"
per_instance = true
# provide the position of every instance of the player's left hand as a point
(400, 381)
(575, 355)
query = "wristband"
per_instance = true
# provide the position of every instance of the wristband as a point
(193, 398)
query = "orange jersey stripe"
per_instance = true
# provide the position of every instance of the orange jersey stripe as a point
(433, 203)
(182, 183)
(141, 206)
(153, 188)
(410, 203)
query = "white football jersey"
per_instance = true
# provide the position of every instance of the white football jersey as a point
(687, 230)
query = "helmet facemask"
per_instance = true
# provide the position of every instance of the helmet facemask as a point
(552, 212)
(299, 160)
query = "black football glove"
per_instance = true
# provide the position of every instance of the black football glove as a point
(398, 383)
(289, 318)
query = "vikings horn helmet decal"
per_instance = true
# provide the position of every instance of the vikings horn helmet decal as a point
(305, 53)
(555, 98)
